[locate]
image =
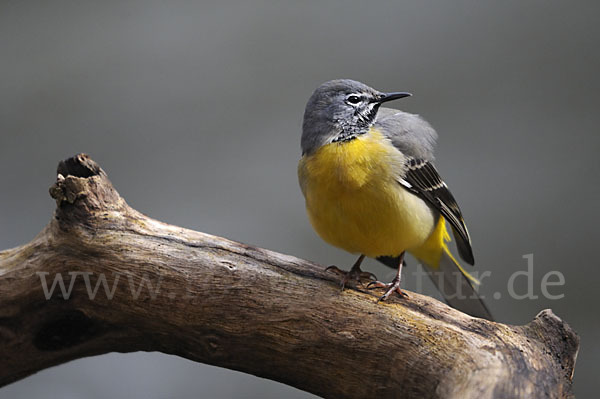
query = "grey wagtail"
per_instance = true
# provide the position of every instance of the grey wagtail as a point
(371, 188)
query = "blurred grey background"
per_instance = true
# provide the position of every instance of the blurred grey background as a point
(194, 110)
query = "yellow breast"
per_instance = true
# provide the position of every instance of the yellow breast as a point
(354, 200)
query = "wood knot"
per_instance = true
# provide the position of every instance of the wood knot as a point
(71, 179)
(80, 165)
(82, 183)
(211, 345)
(559, 339)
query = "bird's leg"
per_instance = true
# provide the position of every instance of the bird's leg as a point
(394, 286)
(354, 274)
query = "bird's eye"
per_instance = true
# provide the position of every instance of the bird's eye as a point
(353, 99)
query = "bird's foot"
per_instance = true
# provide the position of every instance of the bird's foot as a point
(394, 286)
(356, 275)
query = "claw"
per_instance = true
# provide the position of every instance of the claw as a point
(376, 284)
(352, 275)
(394, 286)
(340, 273)
(368, 276)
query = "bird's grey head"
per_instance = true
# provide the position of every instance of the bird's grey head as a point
(341, 110)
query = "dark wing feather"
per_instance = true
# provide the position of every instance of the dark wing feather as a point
(423, 180)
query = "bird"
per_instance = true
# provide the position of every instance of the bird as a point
(371, 188)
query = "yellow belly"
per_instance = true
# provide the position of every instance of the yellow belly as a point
(354, 200)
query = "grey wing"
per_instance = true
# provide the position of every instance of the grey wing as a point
(423, 180)
(415, 138)
(410, 133)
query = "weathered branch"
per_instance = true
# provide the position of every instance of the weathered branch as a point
(232, 305)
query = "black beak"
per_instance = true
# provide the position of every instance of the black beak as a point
(391, 96)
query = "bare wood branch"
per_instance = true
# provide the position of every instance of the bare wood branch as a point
(232, 305)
